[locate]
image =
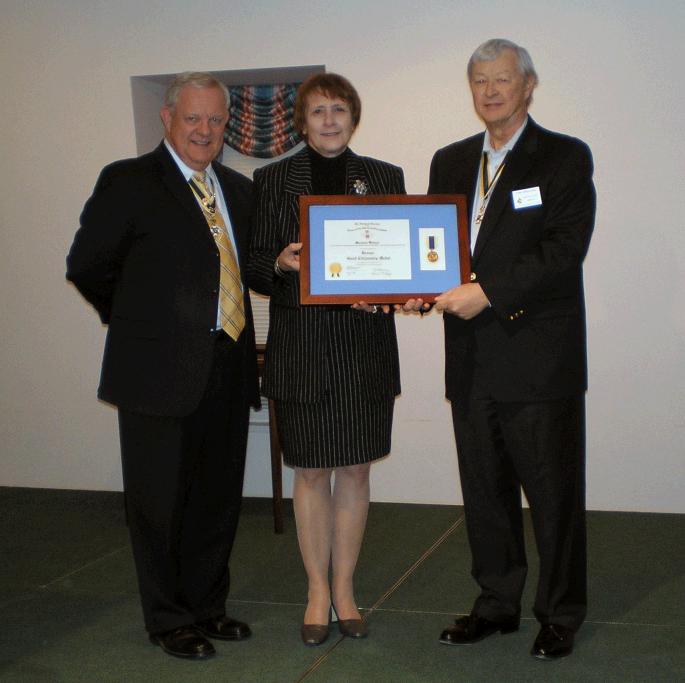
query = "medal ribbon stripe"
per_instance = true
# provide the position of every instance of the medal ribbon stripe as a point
(487, 185)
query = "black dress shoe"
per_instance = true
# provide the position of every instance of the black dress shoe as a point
(224, 628)
(353, 628)
(553, 642)
(186, 642)
(471, 629)
(314, 634)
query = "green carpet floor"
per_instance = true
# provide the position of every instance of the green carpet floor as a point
(71, 613)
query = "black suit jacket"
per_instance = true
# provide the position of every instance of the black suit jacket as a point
(146, 260)
(300, 337)
(530, 345)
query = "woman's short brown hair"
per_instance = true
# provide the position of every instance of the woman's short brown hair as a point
(331, 85)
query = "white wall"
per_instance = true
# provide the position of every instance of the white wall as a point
(610, 74)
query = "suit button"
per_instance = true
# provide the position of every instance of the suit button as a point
(473, 277)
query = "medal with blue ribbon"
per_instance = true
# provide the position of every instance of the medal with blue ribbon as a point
(432, 255)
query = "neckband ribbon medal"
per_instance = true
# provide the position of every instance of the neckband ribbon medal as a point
(486, 185)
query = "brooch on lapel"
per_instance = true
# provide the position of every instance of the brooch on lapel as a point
(359, 187)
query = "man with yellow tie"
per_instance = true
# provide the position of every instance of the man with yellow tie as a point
(159, 255)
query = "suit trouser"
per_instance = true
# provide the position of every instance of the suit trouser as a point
(183, 479)
(540, 447)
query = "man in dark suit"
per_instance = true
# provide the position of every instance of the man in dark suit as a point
(159, 255)
(516, 353)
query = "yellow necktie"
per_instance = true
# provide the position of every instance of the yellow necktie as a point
(231, 308)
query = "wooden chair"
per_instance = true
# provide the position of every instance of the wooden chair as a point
(276, 461)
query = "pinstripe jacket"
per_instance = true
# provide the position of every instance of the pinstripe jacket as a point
(301, 338)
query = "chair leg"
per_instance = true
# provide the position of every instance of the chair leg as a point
(276, 470)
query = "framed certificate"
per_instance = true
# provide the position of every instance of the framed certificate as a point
(381, 248)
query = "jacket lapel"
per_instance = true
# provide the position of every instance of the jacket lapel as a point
(298, 181)
(466, 182)
(518, 164)
(176, 184)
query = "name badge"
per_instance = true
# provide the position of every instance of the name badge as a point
(524, 199)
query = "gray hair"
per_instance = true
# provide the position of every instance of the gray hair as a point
(493, 48)
(197, 79)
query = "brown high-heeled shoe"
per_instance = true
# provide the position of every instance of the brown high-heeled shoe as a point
(353, 628)
(314, 634)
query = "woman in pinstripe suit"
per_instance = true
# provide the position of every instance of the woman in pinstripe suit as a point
(332, 371)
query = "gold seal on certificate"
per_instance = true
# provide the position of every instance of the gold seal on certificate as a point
(335, 268)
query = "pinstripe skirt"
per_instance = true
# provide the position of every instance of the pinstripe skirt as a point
(334, 432)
